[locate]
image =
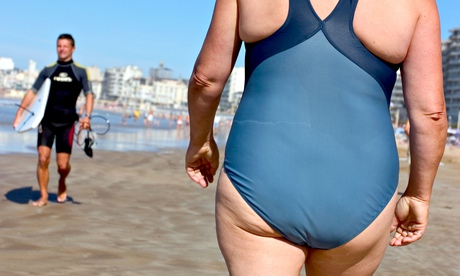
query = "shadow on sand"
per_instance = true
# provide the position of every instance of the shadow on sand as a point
(26, 194)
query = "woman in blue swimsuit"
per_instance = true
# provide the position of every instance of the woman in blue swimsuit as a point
(311, 167)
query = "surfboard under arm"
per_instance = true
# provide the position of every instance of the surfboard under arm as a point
(34, 113)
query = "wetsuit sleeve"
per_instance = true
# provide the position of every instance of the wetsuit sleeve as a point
(87, 89)
(39, 81)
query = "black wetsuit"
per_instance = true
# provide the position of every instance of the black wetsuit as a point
(68, 79)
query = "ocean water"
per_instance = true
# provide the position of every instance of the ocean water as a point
(128, 136)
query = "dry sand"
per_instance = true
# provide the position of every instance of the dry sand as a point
(137, 213)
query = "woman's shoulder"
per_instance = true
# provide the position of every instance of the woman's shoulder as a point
(386, 27)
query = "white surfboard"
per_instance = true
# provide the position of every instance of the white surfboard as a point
(33, 114)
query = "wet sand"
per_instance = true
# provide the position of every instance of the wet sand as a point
(137, 213)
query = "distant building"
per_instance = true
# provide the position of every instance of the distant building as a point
(451, 74)
(32, 66)
(6, 64)
(127, 86)
(31, 74)
(398, 107)
(96, 79)
(161, 72)
(120, 83)
(233, 90)
(123, 85)
(16, 81)
(169, 93)
(145, 94)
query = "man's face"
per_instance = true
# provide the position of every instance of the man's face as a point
(65, 49)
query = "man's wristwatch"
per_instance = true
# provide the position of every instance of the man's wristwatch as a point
(88, 115)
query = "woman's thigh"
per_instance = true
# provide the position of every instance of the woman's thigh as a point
(249, 245)
(360, 256)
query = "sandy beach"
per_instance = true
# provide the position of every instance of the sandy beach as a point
(137, 213)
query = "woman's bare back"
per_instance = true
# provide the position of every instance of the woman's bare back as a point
(385, 27)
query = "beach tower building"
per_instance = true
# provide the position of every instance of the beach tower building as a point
(161, 72)
(166, 90)
(96, 79)
(31, 74)
(120, 83)
(451, 74)
(233, 90)
(397, 106)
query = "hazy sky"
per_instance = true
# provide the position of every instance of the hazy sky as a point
(118, 32)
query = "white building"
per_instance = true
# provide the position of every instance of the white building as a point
(127, 86)
(18, 81)
(6, 64)
(145, 95)
(231, 95)
(169, 93)
(398, 106)
(96, 79)
(31, 74)
(120, 83)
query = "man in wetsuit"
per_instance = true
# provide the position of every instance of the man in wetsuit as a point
(68, 79)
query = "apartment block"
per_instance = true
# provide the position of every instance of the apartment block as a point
(233, 90)
(451, 73)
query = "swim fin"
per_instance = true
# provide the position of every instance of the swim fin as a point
(88, 144)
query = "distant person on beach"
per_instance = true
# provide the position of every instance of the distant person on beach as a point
(179, 122)
(136, 115)
(150, 117)
(311, 166)
(68, 79)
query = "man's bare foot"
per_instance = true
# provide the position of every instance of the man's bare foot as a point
(62, 197)
(62, 194)
(40, 203)
(62, 187)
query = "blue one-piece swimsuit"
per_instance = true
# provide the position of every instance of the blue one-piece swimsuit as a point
(312, 148)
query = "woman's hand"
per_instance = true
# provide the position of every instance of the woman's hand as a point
(410, 220)
(201, 163)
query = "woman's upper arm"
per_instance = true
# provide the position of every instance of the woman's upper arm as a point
(222, 44)
(422, 68)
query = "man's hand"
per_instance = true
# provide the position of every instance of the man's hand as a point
(85, 123)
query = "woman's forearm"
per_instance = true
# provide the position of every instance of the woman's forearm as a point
(203, 100)
(427, 142)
